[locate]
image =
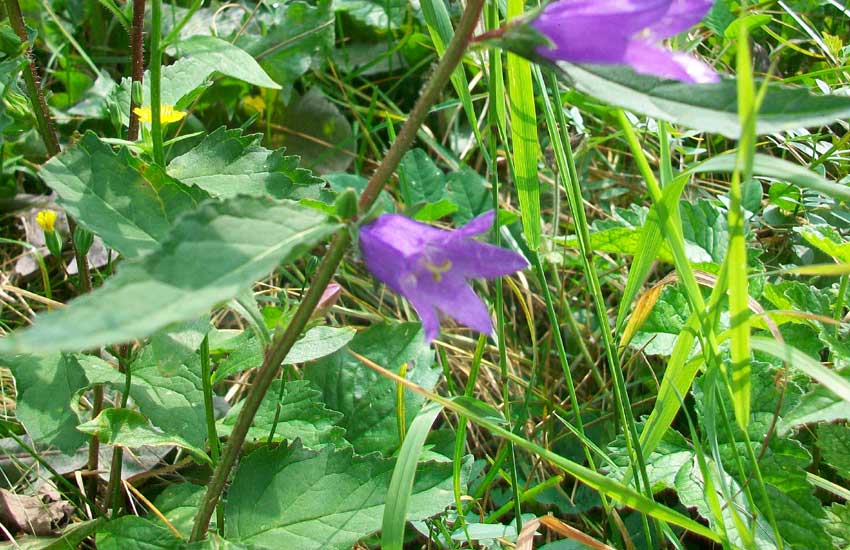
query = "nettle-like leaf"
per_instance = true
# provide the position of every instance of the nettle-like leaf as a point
(128, 428)
(46, 385)
(131, 205)
(302, 416)
(316, 343)
(791, 498)
(135, 533)
(169, 395)
(834, 443)
(826, 239)
(179, 503)
(201, 57)
(291, 497)
(367, 399)
(380, 16)
(210, 256)
(707, 107)
(227, 163)
(295, 37)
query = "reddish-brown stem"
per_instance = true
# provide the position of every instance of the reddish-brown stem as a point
(137, 62)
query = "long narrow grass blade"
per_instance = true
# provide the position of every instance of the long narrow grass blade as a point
(524, 138)
(401, 483)
(739, 311)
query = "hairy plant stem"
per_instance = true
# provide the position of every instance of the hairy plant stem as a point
(137, 62)
(39, 105)
(51, 145)
(284, 341)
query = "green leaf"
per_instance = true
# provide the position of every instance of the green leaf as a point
(170, 395)
(318, 342)
(179, 503)
(302, 416)
(127, 428)
(366, 398)
(290, 497)
(706, 107)
(425, 181)
(318, 133)
(296, 36)
(470, 192)
(135, 533)
(211, 256)
(838, 524)
(131, 205)
(46, 385)
(184, 79)
(227, 163)
(216, 55)
(826, 239)
(378, 14)
(783, 170)
(834, 443)
(72, 537)
(667, 320)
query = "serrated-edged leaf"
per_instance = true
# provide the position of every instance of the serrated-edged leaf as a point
(774, 167)
(827, 240)
(425, 181)
(179, 503)
(128, 428)
(470, 192)
(316, 343)
(46, 385)
(135, 533)
(367, 399)
(227, 163)
(211, 256)
(834, 443)
(217, 55)
(291, 497)
(170, 396)
(295, 36)
(131, 205)
(707, 107)
(379, 15)
(302, 416)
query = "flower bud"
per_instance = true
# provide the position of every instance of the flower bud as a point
(346, 204)
(83, 239)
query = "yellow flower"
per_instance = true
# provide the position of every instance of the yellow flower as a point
(46, 219)
(167, 114)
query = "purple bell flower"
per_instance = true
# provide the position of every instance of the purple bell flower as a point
(430, 267)
(624, 32)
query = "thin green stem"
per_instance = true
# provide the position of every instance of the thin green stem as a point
(569, 177)
(155, 67)
(283, 343)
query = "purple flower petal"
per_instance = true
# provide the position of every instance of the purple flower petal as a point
(648, 58)
(453, 296)
(475, 226)
(682, 15)
(479, 260)
(430, 267)
(615, 32)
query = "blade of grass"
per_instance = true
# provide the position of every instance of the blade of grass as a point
(526, 146)
(404, 472)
